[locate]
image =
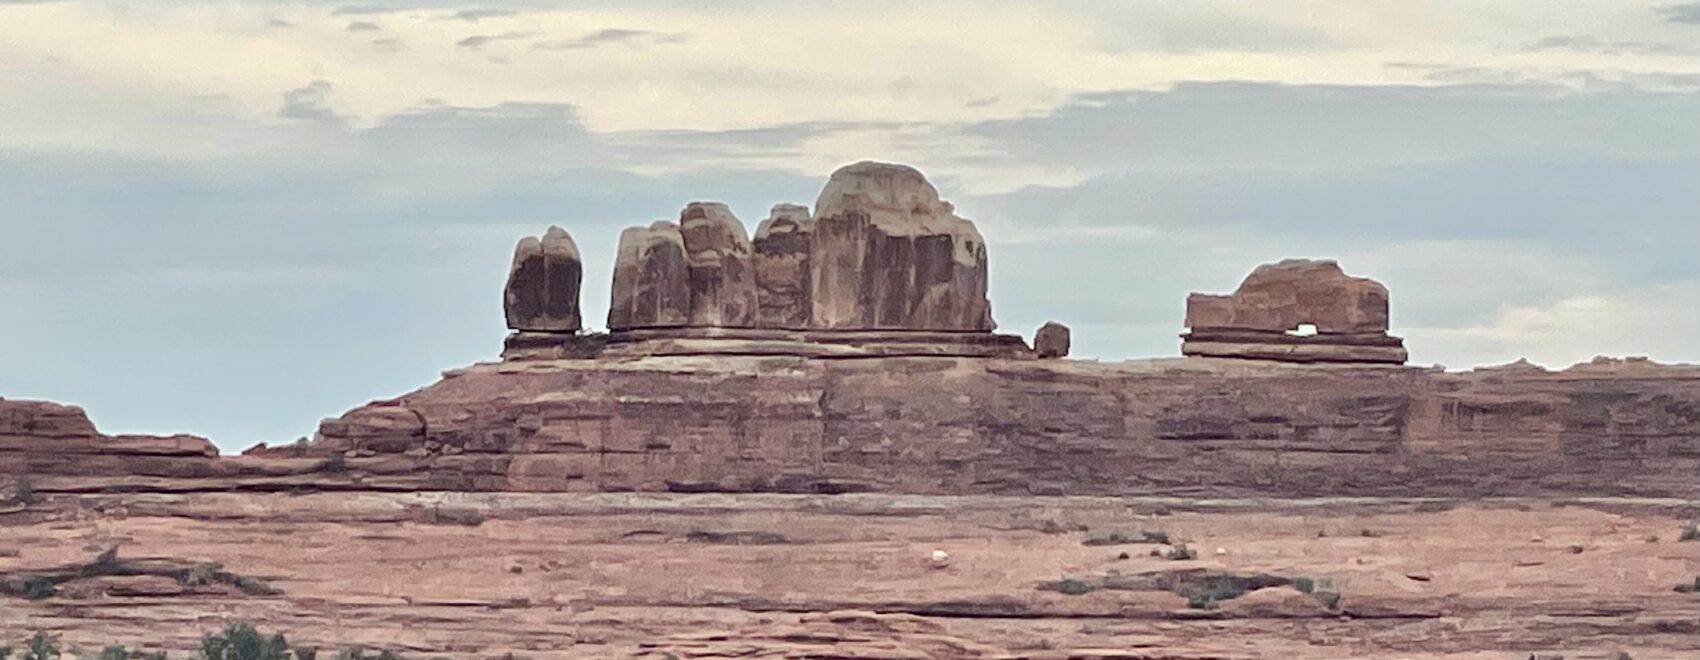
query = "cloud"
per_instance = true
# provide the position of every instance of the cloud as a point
(474, 15)
(612, 36)
(363, 26)
(1687, 13)
(279, 23)
(362, 10)
(478, 41)
(388, 44)
(1588, 44)
(311, 103)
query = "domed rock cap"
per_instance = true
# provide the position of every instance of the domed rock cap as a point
(887, 253)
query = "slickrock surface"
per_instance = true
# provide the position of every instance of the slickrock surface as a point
(850, 576)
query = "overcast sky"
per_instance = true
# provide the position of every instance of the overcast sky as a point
(236, 218)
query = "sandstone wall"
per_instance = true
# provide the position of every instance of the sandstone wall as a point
(1187, 427)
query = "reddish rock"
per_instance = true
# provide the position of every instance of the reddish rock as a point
(721, 276)
(782, 267)
(1297, 310)
(542, 293)
(888, 253)
(651, 279)
(1052, 340)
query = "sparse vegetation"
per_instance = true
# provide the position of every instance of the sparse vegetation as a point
(1122, 538)
(1689, 587)
(1690, 532)
(1208, 593)
(236, 642)
(22, 494)
(1180, 552)
(1069, 586)
(44, 583)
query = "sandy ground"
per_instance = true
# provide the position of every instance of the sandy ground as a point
(776, 576)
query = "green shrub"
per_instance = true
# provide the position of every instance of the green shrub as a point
(38, 588)
(1212, 591)
(1690, 532)
(41, 647)
(1069, 586)
(114, 652)
(1304, 584)
(1180, 553)
(242, 642)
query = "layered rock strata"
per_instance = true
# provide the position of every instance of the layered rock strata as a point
(1297, 310)
(947, 425)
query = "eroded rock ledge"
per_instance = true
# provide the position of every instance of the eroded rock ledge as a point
(1189, 427)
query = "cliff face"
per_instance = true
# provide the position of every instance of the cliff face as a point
(1191, 426)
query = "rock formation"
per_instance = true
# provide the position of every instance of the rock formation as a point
(782, 262)
(880, 252)
(1051, 341)
(888, 253)
(543, 284)
(1297, 310)
(651, 279)
(722, 279)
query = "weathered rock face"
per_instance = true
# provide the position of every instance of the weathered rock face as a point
(1345, 318)
(888, 253)
(651, 279)
(782, 264)
(1281, 296)
(1051, 341)
(721, 275)
(543, 284)
(1202, 428)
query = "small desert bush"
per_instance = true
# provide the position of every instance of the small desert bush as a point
(1180, 552)
(1690, 532)
(236, 642)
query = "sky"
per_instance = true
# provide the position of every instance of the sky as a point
(236, 218)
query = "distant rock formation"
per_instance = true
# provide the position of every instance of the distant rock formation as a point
(783, 246)
(880, 252)
(543, 284)
(651, 279)
(1297, 310)
(888, 253)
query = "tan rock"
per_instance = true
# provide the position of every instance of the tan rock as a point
(782, 267)
(651, 279)
(721, 276)
(1282, 296)
(888, 253)
(542, 293)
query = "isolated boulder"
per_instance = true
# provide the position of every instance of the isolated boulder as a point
(720, 273)
(1052, 340)
(782, 263)
(888, 253)
(543, 284)
(651, 279)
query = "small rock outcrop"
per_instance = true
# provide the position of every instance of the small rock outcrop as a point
(651, 279)
(1297, 310)
(542, 294)
(889, 254)
(1051, 341)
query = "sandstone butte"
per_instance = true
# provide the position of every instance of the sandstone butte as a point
(812, 443)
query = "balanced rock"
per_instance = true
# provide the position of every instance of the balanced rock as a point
(543, 284)
(651, 279)
(1051, 341)
(782, 263)
(1297, 310)
(1282, 296)
(887, 253)
(721, 276)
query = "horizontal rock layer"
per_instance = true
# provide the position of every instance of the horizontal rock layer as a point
(939, 425)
